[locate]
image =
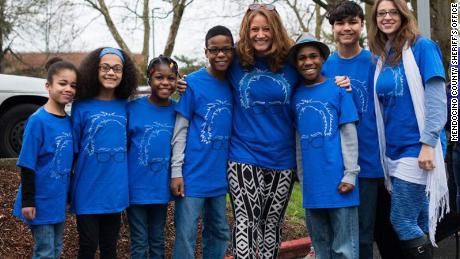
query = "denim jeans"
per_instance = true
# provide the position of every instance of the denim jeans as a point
(147, 226)
(409, 209)
(456, 165)
(368, 188)
(334, 232)
(48, 240)
(215, 227)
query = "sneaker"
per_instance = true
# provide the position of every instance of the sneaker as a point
(311, 254)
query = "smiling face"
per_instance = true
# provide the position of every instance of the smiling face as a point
(309, 63)
(62, 88)
(260, 34)
(110, 71)
(219, 61)
(163, 83)
(388, 18)
(347, 31)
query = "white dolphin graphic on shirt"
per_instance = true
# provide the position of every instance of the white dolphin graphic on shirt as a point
(398, 81)
(104, 119)
(254, 76)
(360, 88)
(213, 110)
(152, 132)
(322, 110)
(58, 167)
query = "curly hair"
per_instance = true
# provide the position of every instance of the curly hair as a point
(408, 32)
(89, 85)
(280, 46)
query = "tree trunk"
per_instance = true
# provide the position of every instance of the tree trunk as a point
(319, 21)
(3, 26)
(440, 27)
(112, 28)
(178, 11)
(145, 46)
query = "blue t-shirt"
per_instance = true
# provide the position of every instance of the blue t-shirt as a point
(263, 132)
(150, 129)
(319, 111)
(47, 149)
(358, 69)
(100, 183)
(401, 130)
(207, 105)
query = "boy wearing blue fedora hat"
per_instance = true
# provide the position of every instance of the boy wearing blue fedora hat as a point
(325, 117)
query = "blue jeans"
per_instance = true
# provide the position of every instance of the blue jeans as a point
(147, 226)
(409, 209)
(368, 189)
(334, 232)
(48, 240)
(456, 164)
(215, 227)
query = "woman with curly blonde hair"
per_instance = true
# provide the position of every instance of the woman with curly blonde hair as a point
(410, 106)
(262, 146)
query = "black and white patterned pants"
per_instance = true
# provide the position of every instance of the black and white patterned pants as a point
(259, 198)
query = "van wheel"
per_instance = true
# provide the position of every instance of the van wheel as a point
(13, 123)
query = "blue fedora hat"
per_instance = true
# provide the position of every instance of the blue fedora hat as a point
(307, 39)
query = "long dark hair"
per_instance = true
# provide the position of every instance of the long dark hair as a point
(89, 85)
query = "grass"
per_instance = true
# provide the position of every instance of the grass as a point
(294, 212)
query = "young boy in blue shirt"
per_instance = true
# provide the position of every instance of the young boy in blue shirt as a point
(350, 59)
(200, 151)
(325, 117)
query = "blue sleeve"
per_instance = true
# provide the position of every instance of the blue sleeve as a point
(429, 60)
(31, 143)
(186, 105)
(77, 127)
(435, 111)
(347, 111)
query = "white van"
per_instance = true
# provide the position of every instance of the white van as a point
(20, 96)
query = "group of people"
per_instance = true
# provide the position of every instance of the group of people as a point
(262, 110)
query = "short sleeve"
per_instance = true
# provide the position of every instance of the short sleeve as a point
(347, 111)
(31, 144)
(186, 104)
(76, 127)
(429, 59)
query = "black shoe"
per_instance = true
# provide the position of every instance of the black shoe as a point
(418, 248)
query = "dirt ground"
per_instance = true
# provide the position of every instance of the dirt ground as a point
(16, 239)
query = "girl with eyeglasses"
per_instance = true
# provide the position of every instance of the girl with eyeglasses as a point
(410, 107)
(45, 160)
(150, 128)
(99, 186)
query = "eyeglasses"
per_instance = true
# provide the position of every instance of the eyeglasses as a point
(258, 107)
(216, 51)
(219, 142)
(159, 164)
(393, 13)
(312, 142)
(104, 156)
(268, 7)
(118, 69)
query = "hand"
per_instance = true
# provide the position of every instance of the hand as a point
(181, 85)
(344, 82)
(177, 186)
(345, 188)
(426, 158)
(28, 212)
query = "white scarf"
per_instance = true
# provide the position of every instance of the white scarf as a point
(436, 186)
